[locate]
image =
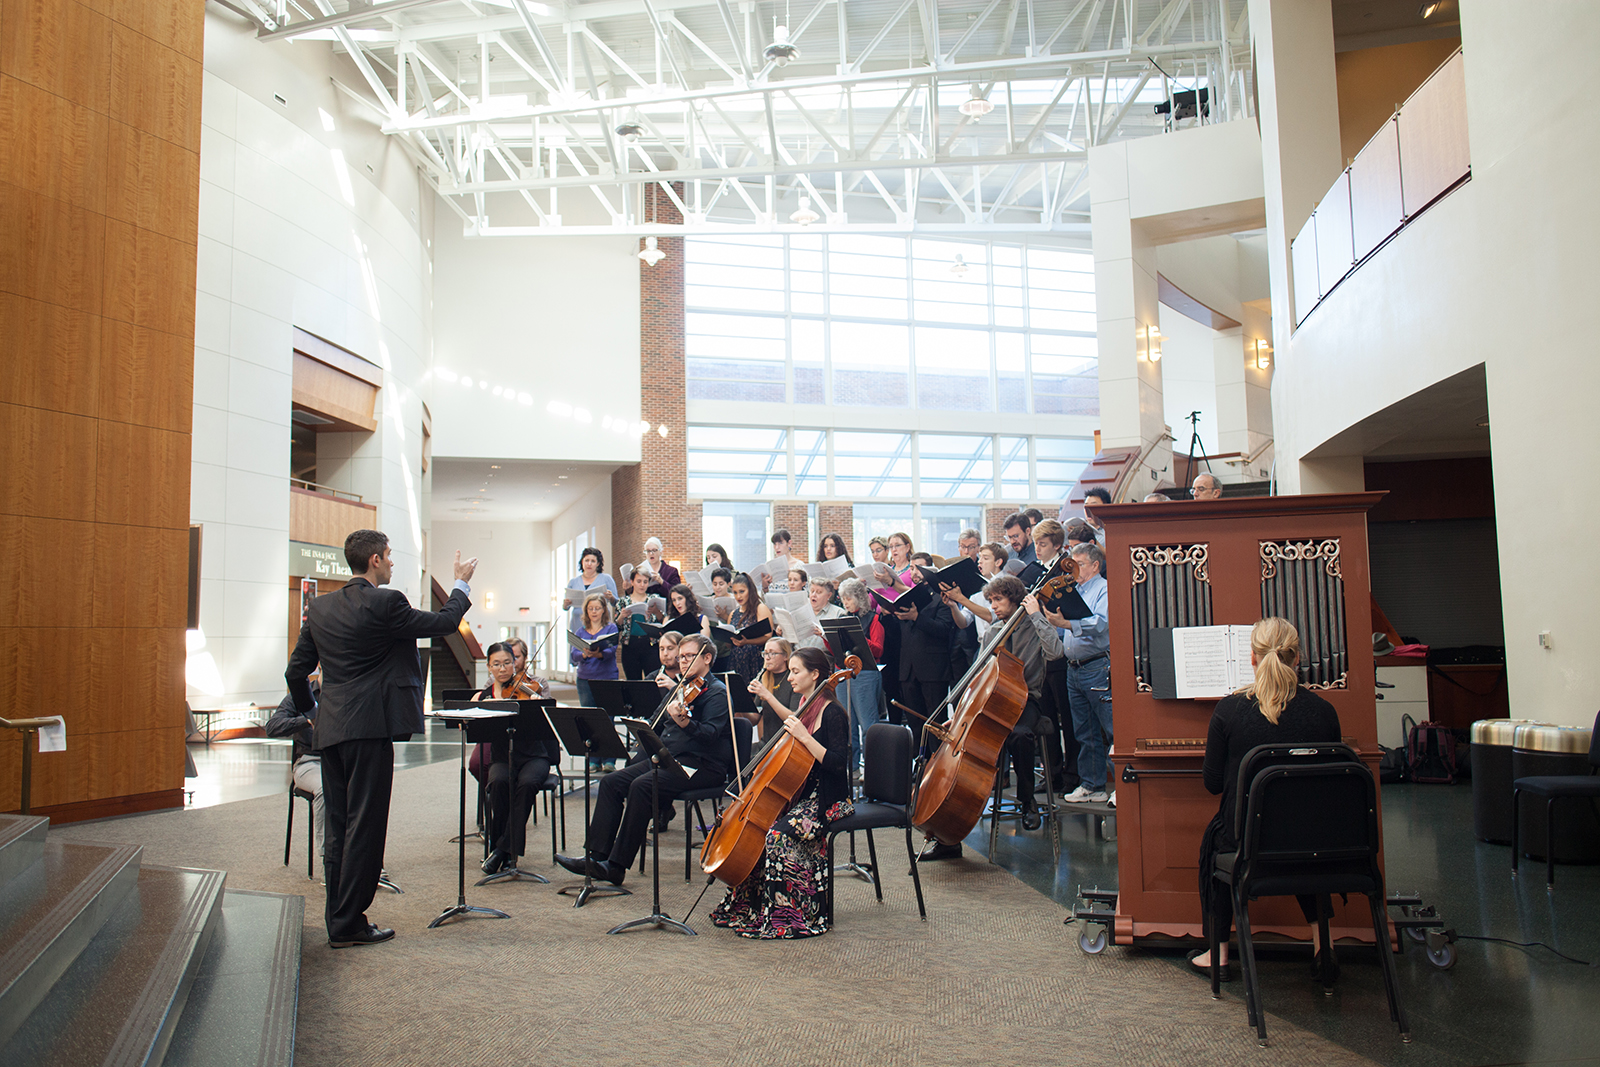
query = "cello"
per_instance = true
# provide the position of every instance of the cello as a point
(775, 774)
(959, 776)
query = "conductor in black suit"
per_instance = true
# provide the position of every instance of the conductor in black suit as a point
(366, 638)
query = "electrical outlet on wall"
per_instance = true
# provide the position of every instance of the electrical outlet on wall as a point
(1544, 639)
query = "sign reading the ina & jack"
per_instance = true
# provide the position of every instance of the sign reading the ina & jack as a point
(317, 561)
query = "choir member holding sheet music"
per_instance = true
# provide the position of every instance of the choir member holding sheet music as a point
(667, 575)
(832, 547)
(681, 603)
(778, 566)
(925, 669)
(820, 593)
(637, 658)
(601, 660)
(717, 556)
(749, 612)
(592, 580)
(863, 694)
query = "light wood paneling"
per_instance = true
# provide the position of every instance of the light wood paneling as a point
(60, 46)
(46, 472)
(149, 279)
(160, 20)
(141, 576)
(1335, 256)
(111, 774)
(155, 88)
(52, 145)
(46, 567)
(1434, 153)
(58, 777)
(142, 478)
(324, 520)
(157, 183)
(1373, 81)
(1376, 207)
(143, 662)
(49, 335)
(146, 377)
(334, 394)
(53, 251)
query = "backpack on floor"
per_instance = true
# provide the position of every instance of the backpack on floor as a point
(1431, 753)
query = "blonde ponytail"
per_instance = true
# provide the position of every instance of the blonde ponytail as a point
(1276, 645)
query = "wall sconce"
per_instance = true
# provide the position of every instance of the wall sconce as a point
(488, 601)
(1152, 342)
(1263, 353)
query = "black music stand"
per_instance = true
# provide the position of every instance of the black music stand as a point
(470, 719)
(588, 734)
(459, 695)
(650, 743)
(844, 637)
(530, 721)
(627, 698)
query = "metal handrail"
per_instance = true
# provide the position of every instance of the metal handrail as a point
(315, 487)
(27, 727)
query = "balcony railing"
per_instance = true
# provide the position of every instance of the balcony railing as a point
(1418, 156)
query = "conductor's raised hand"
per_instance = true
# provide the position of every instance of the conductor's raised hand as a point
(464, 570)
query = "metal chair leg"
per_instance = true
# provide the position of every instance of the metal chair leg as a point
(1380, 930)
(288, 831)
(1516, 829)
(916, 877)
(877, 880)
(1247, 961)
(311, 837)
(1549, 842)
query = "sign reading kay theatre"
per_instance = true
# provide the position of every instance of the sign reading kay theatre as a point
(317, 561)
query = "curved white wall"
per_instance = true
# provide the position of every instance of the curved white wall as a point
(1499, 273)
(283, 243)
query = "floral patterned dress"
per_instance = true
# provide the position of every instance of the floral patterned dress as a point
(747, 659)
(786, 896)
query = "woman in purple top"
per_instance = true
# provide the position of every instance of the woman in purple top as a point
(592, 665)
(666, 573)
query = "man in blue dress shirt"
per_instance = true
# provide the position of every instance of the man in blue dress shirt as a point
(1088, 655)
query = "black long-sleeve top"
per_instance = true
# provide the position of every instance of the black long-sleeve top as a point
(287, 721)
(1237, 726)
(830, 776)
(707, 741)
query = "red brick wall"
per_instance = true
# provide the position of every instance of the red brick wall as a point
(793, 516)
(994, 523)
(834, 518)
(651, 498)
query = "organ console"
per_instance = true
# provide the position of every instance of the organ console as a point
(1214, 562)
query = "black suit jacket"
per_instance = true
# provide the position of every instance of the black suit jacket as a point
(366, 639)
(925, 645)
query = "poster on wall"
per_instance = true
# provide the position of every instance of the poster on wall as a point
(308, 593)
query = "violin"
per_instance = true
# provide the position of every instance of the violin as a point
(687, 691)
(525, 686)
(776, 773)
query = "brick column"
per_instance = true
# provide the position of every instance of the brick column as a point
(792, 515)
(651, 498)
(837, 517)
(994, 519)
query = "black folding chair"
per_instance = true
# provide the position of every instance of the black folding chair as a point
(885, 803)
(1310, 826)
(1551, 788)
(311, 826)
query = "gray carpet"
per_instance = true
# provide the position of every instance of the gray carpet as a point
(992, 977)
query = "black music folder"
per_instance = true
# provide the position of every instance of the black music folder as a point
(683, 624)
(919, 596)
(962, 573)
(595, 644)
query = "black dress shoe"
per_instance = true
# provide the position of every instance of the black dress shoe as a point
(664, 818)
(495, 862)
(1325, 967)
(940, 851)
(607, 871)
(1030, 819)
(1227, 968)
(372, 935)
(575, 864)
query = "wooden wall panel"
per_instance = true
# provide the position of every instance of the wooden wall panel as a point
(324, 520)
(145, 377)
(54, 252)
(73, 169)
(1434, 153)
(100, 131)
(43, 473)
(63, 48)
(332, 393)
(65, 340)
(134, 484)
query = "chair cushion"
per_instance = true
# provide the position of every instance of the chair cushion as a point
(1560, 785)
(870, 815)
(700, 794)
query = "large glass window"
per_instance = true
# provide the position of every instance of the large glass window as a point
(740, 527)
(736, 461)
(864, 320)
(940, 529)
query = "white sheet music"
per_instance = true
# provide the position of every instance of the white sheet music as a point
(1211, 661)
(829, 569)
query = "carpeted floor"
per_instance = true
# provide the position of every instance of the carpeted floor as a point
(992, 977)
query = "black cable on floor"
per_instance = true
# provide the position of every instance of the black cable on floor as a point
(1526, 944)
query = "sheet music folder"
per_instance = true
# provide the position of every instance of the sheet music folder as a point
(844, 636)
(587, 733)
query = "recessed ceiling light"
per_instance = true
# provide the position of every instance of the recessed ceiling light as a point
(563, 476)
(494, 466)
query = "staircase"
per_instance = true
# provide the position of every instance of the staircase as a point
(106, 960)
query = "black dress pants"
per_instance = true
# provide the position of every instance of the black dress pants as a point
(357, 780)
(1023, 745)
(1064, 742)
(622, 810)
(510, 803)
(922, 698)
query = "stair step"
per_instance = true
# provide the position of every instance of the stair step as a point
(120, 1000)
(21, 843)
(48, 914)
(241, 1010)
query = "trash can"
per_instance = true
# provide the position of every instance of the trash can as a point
(1492, 741)
(1540, 750)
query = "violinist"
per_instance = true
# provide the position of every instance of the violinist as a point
(698, 735)
(511, 788)
(786, 895)
(666, 676)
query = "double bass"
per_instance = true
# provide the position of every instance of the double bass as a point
(736, 841)
(959, 776)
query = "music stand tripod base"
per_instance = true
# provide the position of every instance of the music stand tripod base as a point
(660, 758)
(466, 910)
(510, 874)
(588, 734)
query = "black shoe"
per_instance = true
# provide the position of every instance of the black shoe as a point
(576, 864)
(1325, 967)
(1030, 819)
(607, 871)
(664, 818)
(1227, 968)
(372, 935)
(495, 862)
(940, 851)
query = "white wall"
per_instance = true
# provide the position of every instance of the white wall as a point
(280, 246)
(513, 567)
(556, 318)
(1498, 273)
